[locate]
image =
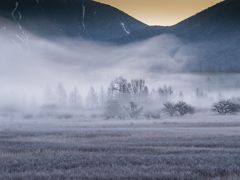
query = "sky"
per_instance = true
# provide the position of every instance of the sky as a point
(161, 12)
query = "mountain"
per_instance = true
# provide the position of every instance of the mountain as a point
(217, 22)
(213, 35)
(68, 18)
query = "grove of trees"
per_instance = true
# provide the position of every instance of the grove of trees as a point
(132, 99)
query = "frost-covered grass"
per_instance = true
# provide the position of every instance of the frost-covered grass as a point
(75, 146)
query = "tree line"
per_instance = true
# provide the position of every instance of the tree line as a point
(133, 99)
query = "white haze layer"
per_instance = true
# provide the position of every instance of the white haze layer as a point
(26, 69)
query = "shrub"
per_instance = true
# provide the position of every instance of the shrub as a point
(121, 110)
(183, 108)
(170, 109)
(178, 109)
(152, 115)
(133, 110)
(226, 107)
(114, 109)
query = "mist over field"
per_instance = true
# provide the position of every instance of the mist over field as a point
(28, 68)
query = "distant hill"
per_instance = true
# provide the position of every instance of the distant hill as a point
(68, 18)
(217, 22)
(213, 35)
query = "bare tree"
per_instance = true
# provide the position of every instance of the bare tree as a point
(165, 91)
(61, 95)
(92, 98)
(102, 97)
(199, 93)
(114, 109)
(138, 87)
(133, 110)
(75, 98)
(50, 97)
(119, 87)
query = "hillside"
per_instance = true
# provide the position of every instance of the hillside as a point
(72, 18)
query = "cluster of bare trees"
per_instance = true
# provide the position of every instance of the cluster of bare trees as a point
(60, 97)
(132, 99)
(120, 87)
(125, 98)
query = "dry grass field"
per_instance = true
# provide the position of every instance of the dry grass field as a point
(201, 146)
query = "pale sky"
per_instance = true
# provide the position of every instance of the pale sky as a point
(161, 12)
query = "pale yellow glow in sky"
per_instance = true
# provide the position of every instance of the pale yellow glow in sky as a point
(161, 12)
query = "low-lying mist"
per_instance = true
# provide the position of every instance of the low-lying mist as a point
(28, 68)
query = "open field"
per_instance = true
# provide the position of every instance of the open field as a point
(202, 146)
